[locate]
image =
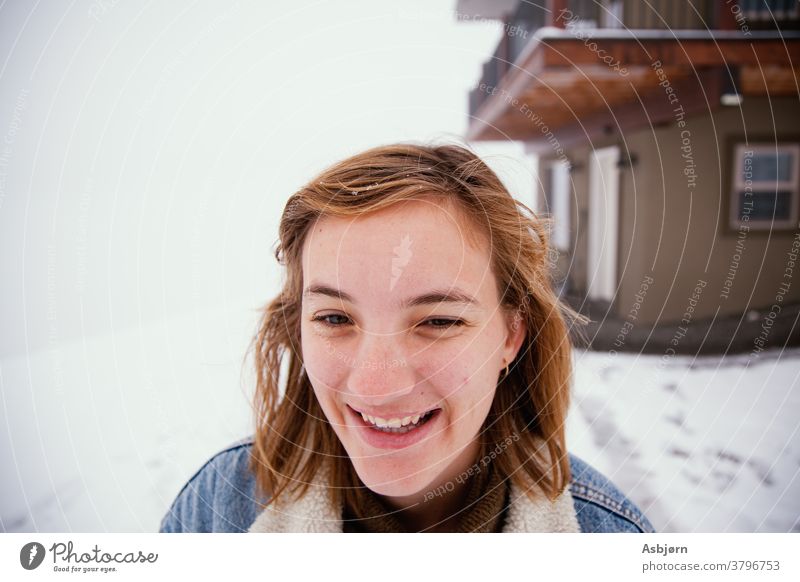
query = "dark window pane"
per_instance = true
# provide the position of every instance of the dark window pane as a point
(764, 204)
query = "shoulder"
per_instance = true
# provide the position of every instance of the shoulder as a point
(600, 506)
(219, 497)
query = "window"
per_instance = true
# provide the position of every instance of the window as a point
(769, 10)
(765, 186)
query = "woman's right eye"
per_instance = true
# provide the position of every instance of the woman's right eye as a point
(324, 319)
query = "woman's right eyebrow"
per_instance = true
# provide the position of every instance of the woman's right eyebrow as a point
(328, 291)
(453, 295)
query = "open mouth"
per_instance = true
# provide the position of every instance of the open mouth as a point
(396, 425)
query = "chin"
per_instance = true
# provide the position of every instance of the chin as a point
(391, 481)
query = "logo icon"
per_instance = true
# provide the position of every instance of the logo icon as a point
(31, 555)
(402, 254)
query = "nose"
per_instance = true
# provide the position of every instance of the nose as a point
(380, 373)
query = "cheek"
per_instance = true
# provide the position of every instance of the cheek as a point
(462, 380)
(466, 362)
(324, 365)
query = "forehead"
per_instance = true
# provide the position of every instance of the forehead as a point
(389, 254)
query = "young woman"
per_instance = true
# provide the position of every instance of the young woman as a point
(428, 367)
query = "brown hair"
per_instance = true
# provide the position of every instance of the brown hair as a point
(292, 435)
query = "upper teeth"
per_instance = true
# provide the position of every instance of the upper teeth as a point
(391, 422)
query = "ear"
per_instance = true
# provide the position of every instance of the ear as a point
(516, 332)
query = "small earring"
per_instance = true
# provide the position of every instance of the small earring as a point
(505, 371)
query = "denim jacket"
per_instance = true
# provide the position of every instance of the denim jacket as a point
(221, 497)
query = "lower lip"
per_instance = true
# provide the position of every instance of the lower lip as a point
(388, 440)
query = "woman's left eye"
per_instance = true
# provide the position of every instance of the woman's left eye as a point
(439, 323)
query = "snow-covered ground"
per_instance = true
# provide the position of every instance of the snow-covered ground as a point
(707, 444)
(100, 434)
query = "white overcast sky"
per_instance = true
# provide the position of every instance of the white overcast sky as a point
(148, 148)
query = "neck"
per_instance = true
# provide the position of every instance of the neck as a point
(436, 507)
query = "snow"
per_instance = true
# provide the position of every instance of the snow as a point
(705, 444)
(102, 433)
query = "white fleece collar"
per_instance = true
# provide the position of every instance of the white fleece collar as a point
(315, 513)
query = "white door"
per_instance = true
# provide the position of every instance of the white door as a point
(603, 223)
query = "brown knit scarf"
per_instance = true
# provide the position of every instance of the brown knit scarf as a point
(484, 511)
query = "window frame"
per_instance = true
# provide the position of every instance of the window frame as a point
(738, 185)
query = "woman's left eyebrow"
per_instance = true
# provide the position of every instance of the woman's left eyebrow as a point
(442, 296)
(436, 296)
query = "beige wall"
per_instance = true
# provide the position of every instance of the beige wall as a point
(678, 235)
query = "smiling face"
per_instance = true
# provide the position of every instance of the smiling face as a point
(401, 316)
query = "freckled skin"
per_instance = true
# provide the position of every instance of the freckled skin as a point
(386, 357)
